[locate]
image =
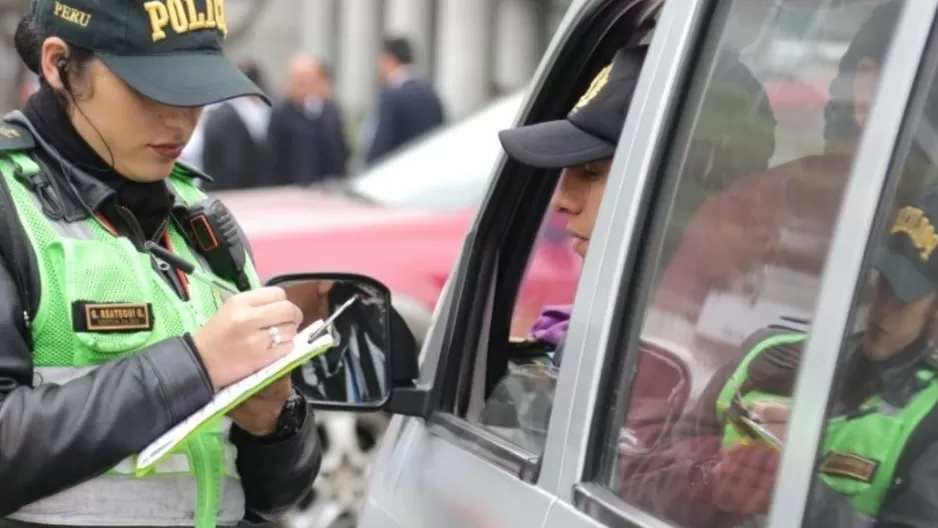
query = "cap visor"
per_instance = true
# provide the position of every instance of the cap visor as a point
(905, 280)
(183, 79)
(554, 145)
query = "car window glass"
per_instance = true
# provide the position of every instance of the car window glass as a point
(751, 188)
(878, 455)
(518, 407)
(448, 170)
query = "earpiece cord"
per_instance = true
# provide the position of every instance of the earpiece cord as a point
(63, 73)
(62, 66)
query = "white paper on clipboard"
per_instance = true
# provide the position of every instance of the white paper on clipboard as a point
(229, 397)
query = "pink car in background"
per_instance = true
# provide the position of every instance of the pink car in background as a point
(403, 221)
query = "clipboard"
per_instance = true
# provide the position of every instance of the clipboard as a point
(739, 416)
(753, 430)
(314, 340)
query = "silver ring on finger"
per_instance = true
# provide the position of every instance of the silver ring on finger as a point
(275, 337)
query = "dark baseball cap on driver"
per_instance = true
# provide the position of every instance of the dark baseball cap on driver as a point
(591, 130)
(168, 50)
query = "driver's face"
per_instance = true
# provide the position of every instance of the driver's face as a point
(578, 196)
(894, 324)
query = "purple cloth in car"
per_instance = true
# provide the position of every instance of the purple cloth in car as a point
(551, 326)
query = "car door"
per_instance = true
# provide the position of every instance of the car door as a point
(451, 470)
(702, 274)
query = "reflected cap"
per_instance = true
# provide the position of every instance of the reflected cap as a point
(909, 260)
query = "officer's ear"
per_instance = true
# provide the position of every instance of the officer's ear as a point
(53, 56)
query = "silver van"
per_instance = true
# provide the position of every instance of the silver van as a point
(761, 172)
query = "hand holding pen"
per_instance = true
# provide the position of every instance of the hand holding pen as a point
(178, 263)
(249, 331)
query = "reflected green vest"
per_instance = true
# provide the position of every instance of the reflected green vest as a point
(858, 455)
(100, 300)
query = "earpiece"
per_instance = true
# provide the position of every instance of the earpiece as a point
(62, 66)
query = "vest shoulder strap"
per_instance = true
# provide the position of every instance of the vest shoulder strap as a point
(14, 251)
(15, 137)
(182, 183)
(183, 169)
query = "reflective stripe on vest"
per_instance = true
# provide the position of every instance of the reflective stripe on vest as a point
(198, 484)
(174, 463)
(858, 455)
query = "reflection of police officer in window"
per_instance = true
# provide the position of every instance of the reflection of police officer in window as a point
(353, 370)
(879, 452)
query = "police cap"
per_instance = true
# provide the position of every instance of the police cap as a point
(909, 260)
(591, 130)
(168, 50)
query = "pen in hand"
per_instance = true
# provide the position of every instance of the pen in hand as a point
(178, 263)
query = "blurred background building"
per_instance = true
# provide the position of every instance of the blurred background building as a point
(470, 49)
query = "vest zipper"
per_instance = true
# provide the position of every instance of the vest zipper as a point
(200, 447)
(138, 238)
(134, 225)
(208, 478)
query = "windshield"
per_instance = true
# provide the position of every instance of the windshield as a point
(446, 170)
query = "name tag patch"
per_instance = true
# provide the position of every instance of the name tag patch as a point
(112, 317)
(849, 465)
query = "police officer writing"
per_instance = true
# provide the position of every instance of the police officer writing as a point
(879, 456)
(104, 346)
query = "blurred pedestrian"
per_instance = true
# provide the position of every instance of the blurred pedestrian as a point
(305, 138)
(335, 149)
(235, 138)
(408, 106)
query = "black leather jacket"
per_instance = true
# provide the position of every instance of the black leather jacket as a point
(54, 437)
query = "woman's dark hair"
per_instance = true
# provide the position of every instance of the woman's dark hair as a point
(28, 41)
(870, 42)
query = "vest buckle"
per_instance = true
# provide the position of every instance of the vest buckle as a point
(40, 185)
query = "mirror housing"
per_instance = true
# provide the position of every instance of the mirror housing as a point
(374, 365)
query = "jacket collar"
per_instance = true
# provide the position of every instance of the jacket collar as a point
(897, 376)
(76, 194)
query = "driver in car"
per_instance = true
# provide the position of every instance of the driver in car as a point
(583, 145)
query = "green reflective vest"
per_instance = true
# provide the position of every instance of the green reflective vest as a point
(100, 300)
(858, 454)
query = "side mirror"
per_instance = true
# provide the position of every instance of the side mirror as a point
(375, 354)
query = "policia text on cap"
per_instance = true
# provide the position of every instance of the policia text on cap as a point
(103, 349)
